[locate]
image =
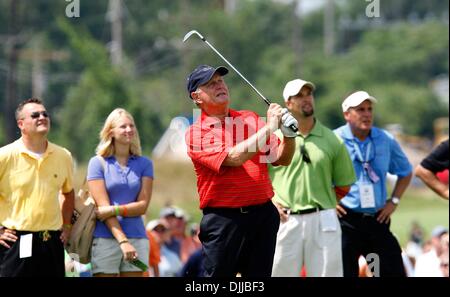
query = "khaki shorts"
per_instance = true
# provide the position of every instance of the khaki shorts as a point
(107, 256)
(313, 240)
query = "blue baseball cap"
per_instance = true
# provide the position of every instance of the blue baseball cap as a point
(201, 75)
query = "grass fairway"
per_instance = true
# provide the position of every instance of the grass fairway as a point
(420, 205)
(175, 183)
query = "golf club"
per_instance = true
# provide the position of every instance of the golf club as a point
(192, 32)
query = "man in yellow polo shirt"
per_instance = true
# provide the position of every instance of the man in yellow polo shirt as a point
(33, 171)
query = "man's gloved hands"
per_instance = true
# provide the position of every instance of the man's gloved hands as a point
(286, 121)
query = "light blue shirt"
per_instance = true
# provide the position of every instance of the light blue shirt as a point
(123, 186)
(385, 156)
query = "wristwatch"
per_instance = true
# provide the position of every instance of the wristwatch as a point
(395, 200)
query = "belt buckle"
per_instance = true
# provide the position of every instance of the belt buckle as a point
(45, 235)
(242, 209)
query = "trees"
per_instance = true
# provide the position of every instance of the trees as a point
(101, 88)
(394, 59)
(396, 65)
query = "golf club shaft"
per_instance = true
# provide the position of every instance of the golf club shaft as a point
(229, 64)
(293, 127)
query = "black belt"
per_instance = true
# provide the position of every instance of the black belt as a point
(359, 214)
(242, 209)
(44, 235)
(302, 211)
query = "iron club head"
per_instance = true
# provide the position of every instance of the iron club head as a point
(188, 34)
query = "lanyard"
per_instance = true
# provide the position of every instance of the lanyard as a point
(359, 154)
(367, 169)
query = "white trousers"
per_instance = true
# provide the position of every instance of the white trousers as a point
(313, 240)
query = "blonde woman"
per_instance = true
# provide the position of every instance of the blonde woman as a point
(120, 181)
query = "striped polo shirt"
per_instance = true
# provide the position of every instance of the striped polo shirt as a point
(209, 140)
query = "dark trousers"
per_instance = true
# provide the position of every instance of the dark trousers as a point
(239, 240)
(363, 235)
(47, 257)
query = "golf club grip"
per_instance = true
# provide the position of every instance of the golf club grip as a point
(293, 128)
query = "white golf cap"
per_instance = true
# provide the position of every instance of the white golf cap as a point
(294, 86)
(356, 99)
(154, 223)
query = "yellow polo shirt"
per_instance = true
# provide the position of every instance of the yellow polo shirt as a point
(29, 186)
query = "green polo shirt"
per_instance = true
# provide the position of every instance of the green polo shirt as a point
(301, 185)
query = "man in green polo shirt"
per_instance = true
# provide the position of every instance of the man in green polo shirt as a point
(307, 191)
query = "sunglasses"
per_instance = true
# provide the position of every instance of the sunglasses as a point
(37, 114)
(305, 156)
(160, 229)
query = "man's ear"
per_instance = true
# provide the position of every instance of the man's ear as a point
(20, 124)
(288, 104)
(195, 97)
(346, 115)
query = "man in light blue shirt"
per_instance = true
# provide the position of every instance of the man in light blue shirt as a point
(366, 210)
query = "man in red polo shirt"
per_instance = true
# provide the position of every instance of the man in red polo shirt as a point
(230, 151)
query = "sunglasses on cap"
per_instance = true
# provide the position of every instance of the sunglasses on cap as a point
(37, 114)
(305, 156)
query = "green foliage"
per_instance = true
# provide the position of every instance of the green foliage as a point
(2, 136)
(395, 60)
(101, 88)
(409, 105)
(396, 72)
(404, 52)
(400, 9)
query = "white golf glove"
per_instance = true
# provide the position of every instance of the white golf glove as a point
(287, 120)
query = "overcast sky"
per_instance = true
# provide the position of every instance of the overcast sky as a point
(306, 6)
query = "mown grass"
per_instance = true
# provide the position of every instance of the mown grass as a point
(175, 183)
(420, 205)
